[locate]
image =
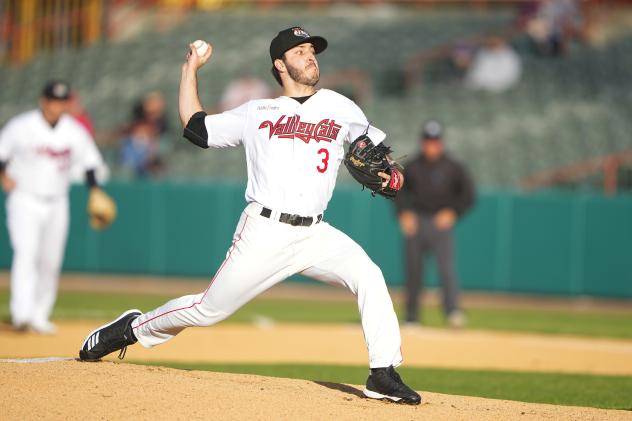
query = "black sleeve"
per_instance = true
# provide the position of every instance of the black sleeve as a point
(3, 165)
(195, 131)
(465, 190)
(91, 179)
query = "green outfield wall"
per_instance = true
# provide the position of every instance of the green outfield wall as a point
(549, 243)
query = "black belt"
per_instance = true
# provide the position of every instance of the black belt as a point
(294, 220)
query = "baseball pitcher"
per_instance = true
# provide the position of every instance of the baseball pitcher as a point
(294, 145)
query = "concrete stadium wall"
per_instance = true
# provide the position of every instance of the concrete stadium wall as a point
(548, 243)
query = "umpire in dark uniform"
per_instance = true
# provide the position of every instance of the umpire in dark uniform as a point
(437, 192)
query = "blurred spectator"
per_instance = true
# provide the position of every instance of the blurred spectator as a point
(139, 150)
(554, 24)
(77, 110)
(243, 89)
(437, 192)
(151, 110)
(495, 68)
(144, 138)
(525, 11)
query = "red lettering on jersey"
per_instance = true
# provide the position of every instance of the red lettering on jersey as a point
(52, 153)
(273, 127)
(326, 130)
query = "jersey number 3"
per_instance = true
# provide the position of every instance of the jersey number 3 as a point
(325, 161)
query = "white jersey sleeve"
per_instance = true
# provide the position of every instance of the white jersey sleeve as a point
(87, 155)
(358, 125)
(227, 129)
(8, 138)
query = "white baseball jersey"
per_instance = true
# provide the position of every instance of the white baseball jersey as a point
(293, 150)
(40, 156)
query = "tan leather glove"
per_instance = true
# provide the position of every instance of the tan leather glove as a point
(101, 208)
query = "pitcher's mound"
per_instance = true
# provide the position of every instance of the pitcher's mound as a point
(62, 389)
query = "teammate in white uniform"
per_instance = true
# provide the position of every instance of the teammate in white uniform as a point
(37, 150)
(294, 147)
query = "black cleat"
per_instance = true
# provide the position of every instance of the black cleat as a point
(111, 337)
(385, 383)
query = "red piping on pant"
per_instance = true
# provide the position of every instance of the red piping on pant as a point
(230, 252)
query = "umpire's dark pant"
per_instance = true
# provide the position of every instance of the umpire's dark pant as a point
(430, 240)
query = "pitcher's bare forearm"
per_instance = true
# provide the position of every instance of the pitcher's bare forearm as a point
(189, 102)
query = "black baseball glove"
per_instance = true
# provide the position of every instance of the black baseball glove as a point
(364, 161)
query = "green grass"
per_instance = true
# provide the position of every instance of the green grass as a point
(80, 305)
(613, 392)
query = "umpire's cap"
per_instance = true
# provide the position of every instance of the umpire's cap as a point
(56, 89)
(432, 129)
(290, 38)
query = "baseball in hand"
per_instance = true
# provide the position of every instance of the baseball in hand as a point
(201, 47)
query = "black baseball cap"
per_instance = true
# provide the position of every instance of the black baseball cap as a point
(290, 38)
(432, 129)
(57, 90)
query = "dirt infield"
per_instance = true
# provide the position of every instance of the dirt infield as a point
(73, 390)
(344, 344)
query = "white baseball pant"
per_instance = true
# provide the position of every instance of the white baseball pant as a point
(264, 252)
(38, 229)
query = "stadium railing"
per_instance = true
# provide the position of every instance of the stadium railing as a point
(29, 26)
